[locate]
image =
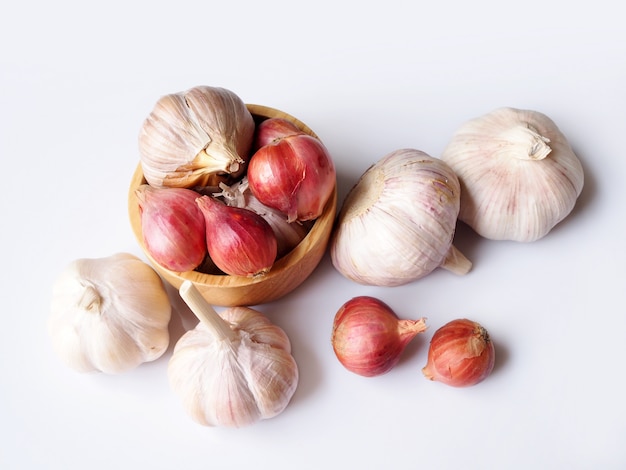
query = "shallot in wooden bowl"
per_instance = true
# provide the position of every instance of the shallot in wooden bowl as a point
(287, 272)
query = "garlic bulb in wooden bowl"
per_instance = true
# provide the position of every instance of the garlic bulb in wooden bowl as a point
(195, 137)
(519, 175)
(287, 272)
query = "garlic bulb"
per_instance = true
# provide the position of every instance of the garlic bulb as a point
(192, 138)
(519, 175)
(397, 223)
(109, 314)
(231, 370)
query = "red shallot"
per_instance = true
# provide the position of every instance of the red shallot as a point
(293, 174)
(461, 354)
(368, 338)
(273, 128)
(173, 227)
(239, 241)
(288, 234)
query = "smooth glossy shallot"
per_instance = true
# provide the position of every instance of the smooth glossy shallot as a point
(239, 241)
(368, 337)
(173, 227)
(269, 130)
(293, 174)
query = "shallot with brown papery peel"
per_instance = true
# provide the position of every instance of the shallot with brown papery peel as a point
(368, 337)
(461, 354)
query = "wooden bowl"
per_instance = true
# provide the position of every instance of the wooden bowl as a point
(286, 274)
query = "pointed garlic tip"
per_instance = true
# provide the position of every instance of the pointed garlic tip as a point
(205, 312)
(218, 159)
(456, 262)
(533, 145)
(91, 300)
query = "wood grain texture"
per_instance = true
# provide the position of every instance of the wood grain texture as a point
(286, 274)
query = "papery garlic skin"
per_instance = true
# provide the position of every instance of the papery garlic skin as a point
(238, 376)
(192, 136)
(109, 314)
(519, 175)
(397, 223)
(288, 234)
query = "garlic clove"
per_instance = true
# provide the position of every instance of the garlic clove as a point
(195, 138)
(397, 223)
(519, 175)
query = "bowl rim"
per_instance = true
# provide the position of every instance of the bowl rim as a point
(320, 229)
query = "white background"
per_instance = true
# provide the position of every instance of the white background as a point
(78, 78)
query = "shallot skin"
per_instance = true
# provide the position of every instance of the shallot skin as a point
(368, 338)
(461, 354)
(173, 228)
(271, 129)
(239, 241)
(293, 174)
